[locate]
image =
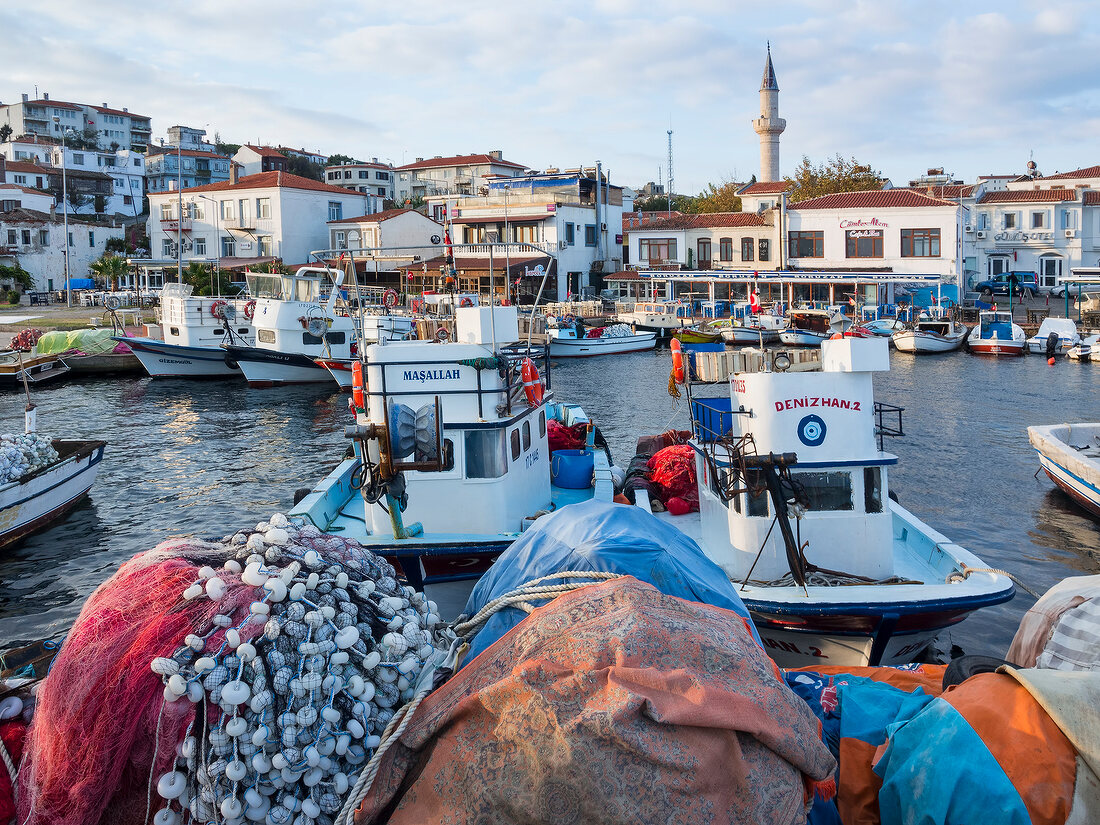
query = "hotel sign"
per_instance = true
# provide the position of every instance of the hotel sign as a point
(1019, 236)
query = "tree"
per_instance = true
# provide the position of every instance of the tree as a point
(272, 267)
(659, 203)
(415, 202)
(835, 175)
(5, 133)
(721, 198)
(337, 160)
(15, 274)
(110, 269)
(305, 168)
(199, 276)
(227, 149)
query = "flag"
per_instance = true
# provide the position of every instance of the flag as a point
(754, 301)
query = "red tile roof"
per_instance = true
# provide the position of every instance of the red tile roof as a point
(765, 188)
(1092, 198)
(1086, 172)
(377, 217)
(30, 167)
(24, 189)
(61, 104)
(268, 180)
(948, 191)
(265, 151)
(108, 111)
(461, 160)
(706, 220)
(1053, 195)
(871, 199)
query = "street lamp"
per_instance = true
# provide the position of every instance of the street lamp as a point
(179, 223)
(65, 211)
(217, 240)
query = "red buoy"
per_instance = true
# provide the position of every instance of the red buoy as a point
(1050, 361)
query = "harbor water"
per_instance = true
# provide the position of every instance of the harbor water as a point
(207, 458)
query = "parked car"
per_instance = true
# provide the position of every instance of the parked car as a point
(1021, 282)
(1059, 291)
(1088, 302)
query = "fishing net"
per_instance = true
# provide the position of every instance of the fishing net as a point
(24, 453)
(84, 341)
(561, 437)
(672, 470)
(25, 340)
(219, 681)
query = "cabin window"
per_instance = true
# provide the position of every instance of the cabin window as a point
(336, 338)
(526, 436)
(265, 336)
(515, 444)
(219, 332)
(542, 424)
(311, 339)
(758, 504)
(485, 456)
(872, 489)
(826, 490)
(174, 330)
(448, 454)
(242, 330)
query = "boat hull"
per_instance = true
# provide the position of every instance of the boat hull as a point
(269, 368)
(109, 362)
(38, 501)
(802, 338)
(692, 336)
(37, 369)
(924, 342)
(340, 370)
(163, 360)
(1008, 349)
(1074, 471)
(588, 347)
(748, 335)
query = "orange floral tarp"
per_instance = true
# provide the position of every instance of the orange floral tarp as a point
(612, 704)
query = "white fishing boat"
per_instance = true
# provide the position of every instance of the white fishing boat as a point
(1056, 336)
(755, 329)
(930, 335)
(1086, 350)
(564, 342)
(884, 327)
(809, 327)
(794, 500)
(1070, 456)
(376, 329)
(657, 316)
(294, 328)
(996, 334)
(451, 456)
(190, 334)
(39, 499)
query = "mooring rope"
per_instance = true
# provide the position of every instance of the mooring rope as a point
(956, 576)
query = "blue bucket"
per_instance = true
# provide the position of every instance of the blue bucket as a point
(572, 468)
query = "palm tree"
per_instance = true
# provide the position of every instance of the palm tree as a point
(110, 269)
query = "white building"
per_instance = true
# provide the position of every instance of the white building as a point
(373, 178)
(404, 229)
(455, 175)
(258, 217)
(708, 241)
(188, 137)
(167, 167)
(256, 159)
(112, 126)
(312, 157)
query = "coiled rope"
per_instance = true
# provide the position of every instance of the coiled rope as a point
(956, 576)
(521, 597)
(13, 772)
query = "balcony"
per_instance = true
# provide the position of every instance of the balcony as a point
(482, 249)
(172, 225)
(247, 224)
(141, 127)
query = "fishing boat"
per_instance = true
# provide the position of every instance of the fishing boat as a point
(810, 437)
(883, 327)
(995, 334)
(695, 335)
(564, 342)
(1056, 336)
(657, 316)
(376, 329)
(91, 351)
(930, 335)
(451, 452)
(809, 327)
(191, 330)
(1085, 349)
(293, 329)
(1070, 455)
(753, 330)
(36, 369)
(39, 499)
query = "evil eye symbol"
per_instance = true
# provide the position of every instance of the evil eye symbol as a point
(811, 431)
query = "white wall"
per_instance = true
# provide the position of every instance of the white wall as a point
(47, 262)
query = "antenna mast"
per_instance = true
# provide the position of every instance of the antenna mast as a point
(670, 177)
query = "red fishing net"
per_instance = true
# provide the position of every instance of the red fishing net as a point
(561, 437)
(672, 470)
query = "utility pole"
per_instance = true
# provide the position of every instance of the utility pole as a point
(670, 177)
(65, 214)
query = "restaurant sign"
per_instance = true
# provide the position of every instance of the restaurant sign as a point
(873, 223)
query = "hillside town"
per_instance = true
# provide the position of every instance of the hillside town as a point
(169, 203)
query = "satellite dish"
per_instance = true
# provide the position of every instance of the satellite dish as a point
(317, 327)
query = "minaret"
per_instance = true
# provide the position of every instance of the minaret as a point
(769, 125)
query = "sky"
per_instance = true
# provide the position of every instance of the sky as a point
(976, 88)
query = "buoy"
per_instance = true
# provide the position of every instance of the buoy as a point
(532, 383)
(249, 310)
(677, 361)
(1050, 361)
(357, 396)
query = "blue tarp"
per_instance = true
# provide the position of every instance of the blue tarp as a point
(81, 283)
(598, 536)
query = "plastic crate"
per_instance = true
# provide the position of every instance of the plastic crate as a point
(711, 418)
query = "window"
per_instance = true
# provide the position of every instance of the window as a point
(26, 233)
(569, 236)
(335, 210)
(542, 424)
(137, 162)
(340, 240)
(263, 207)
(167, 211)
(526, 436)
(166, 248)
(764, 248)
(806, 244)
(1010, 220)
(381, 191)
(1069, 219)
(312, 340)
(363, 174)
(227, 210)
(266, 246)
(243, 205)
(589, 234)
(485, 457)
(758, 503)
(656, 250)
(826, 490)
(863, 243)
(44, 237)
(21, 179)
(336, 338)
(382, 175)
(334, 176)
(920, 243)
(78, 159)
(525, 233)
(725, 249)
(746, 249)
(347, 175)
(200, 246)
(70, 239)
(229, 247)
(515, 444)
(91, 239)
(196, 210)
(127, 200)
(13, 237)
(1038, 220)
(265, 336)
(872, 489)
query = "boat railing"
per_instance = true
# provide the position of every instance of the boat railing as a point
(888, 422)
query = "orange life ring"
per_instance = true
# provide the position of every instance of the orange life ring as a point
(357, 385)
(217, 309)
(532, 383)
(390, 298)
(677, 361)
(465, 302)
(249, 310)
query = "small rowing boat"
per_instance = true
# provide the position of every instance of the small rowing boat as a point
(1070, 455)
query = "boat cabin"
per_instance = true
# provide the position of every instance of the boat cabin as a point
(290, 317)
(187, 320)
(810, 320)
(827, 419)
(995, 324)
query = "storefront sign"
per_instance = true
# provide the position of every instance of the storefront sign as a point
(874, 223)
(864, 233)
(1018, 236)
